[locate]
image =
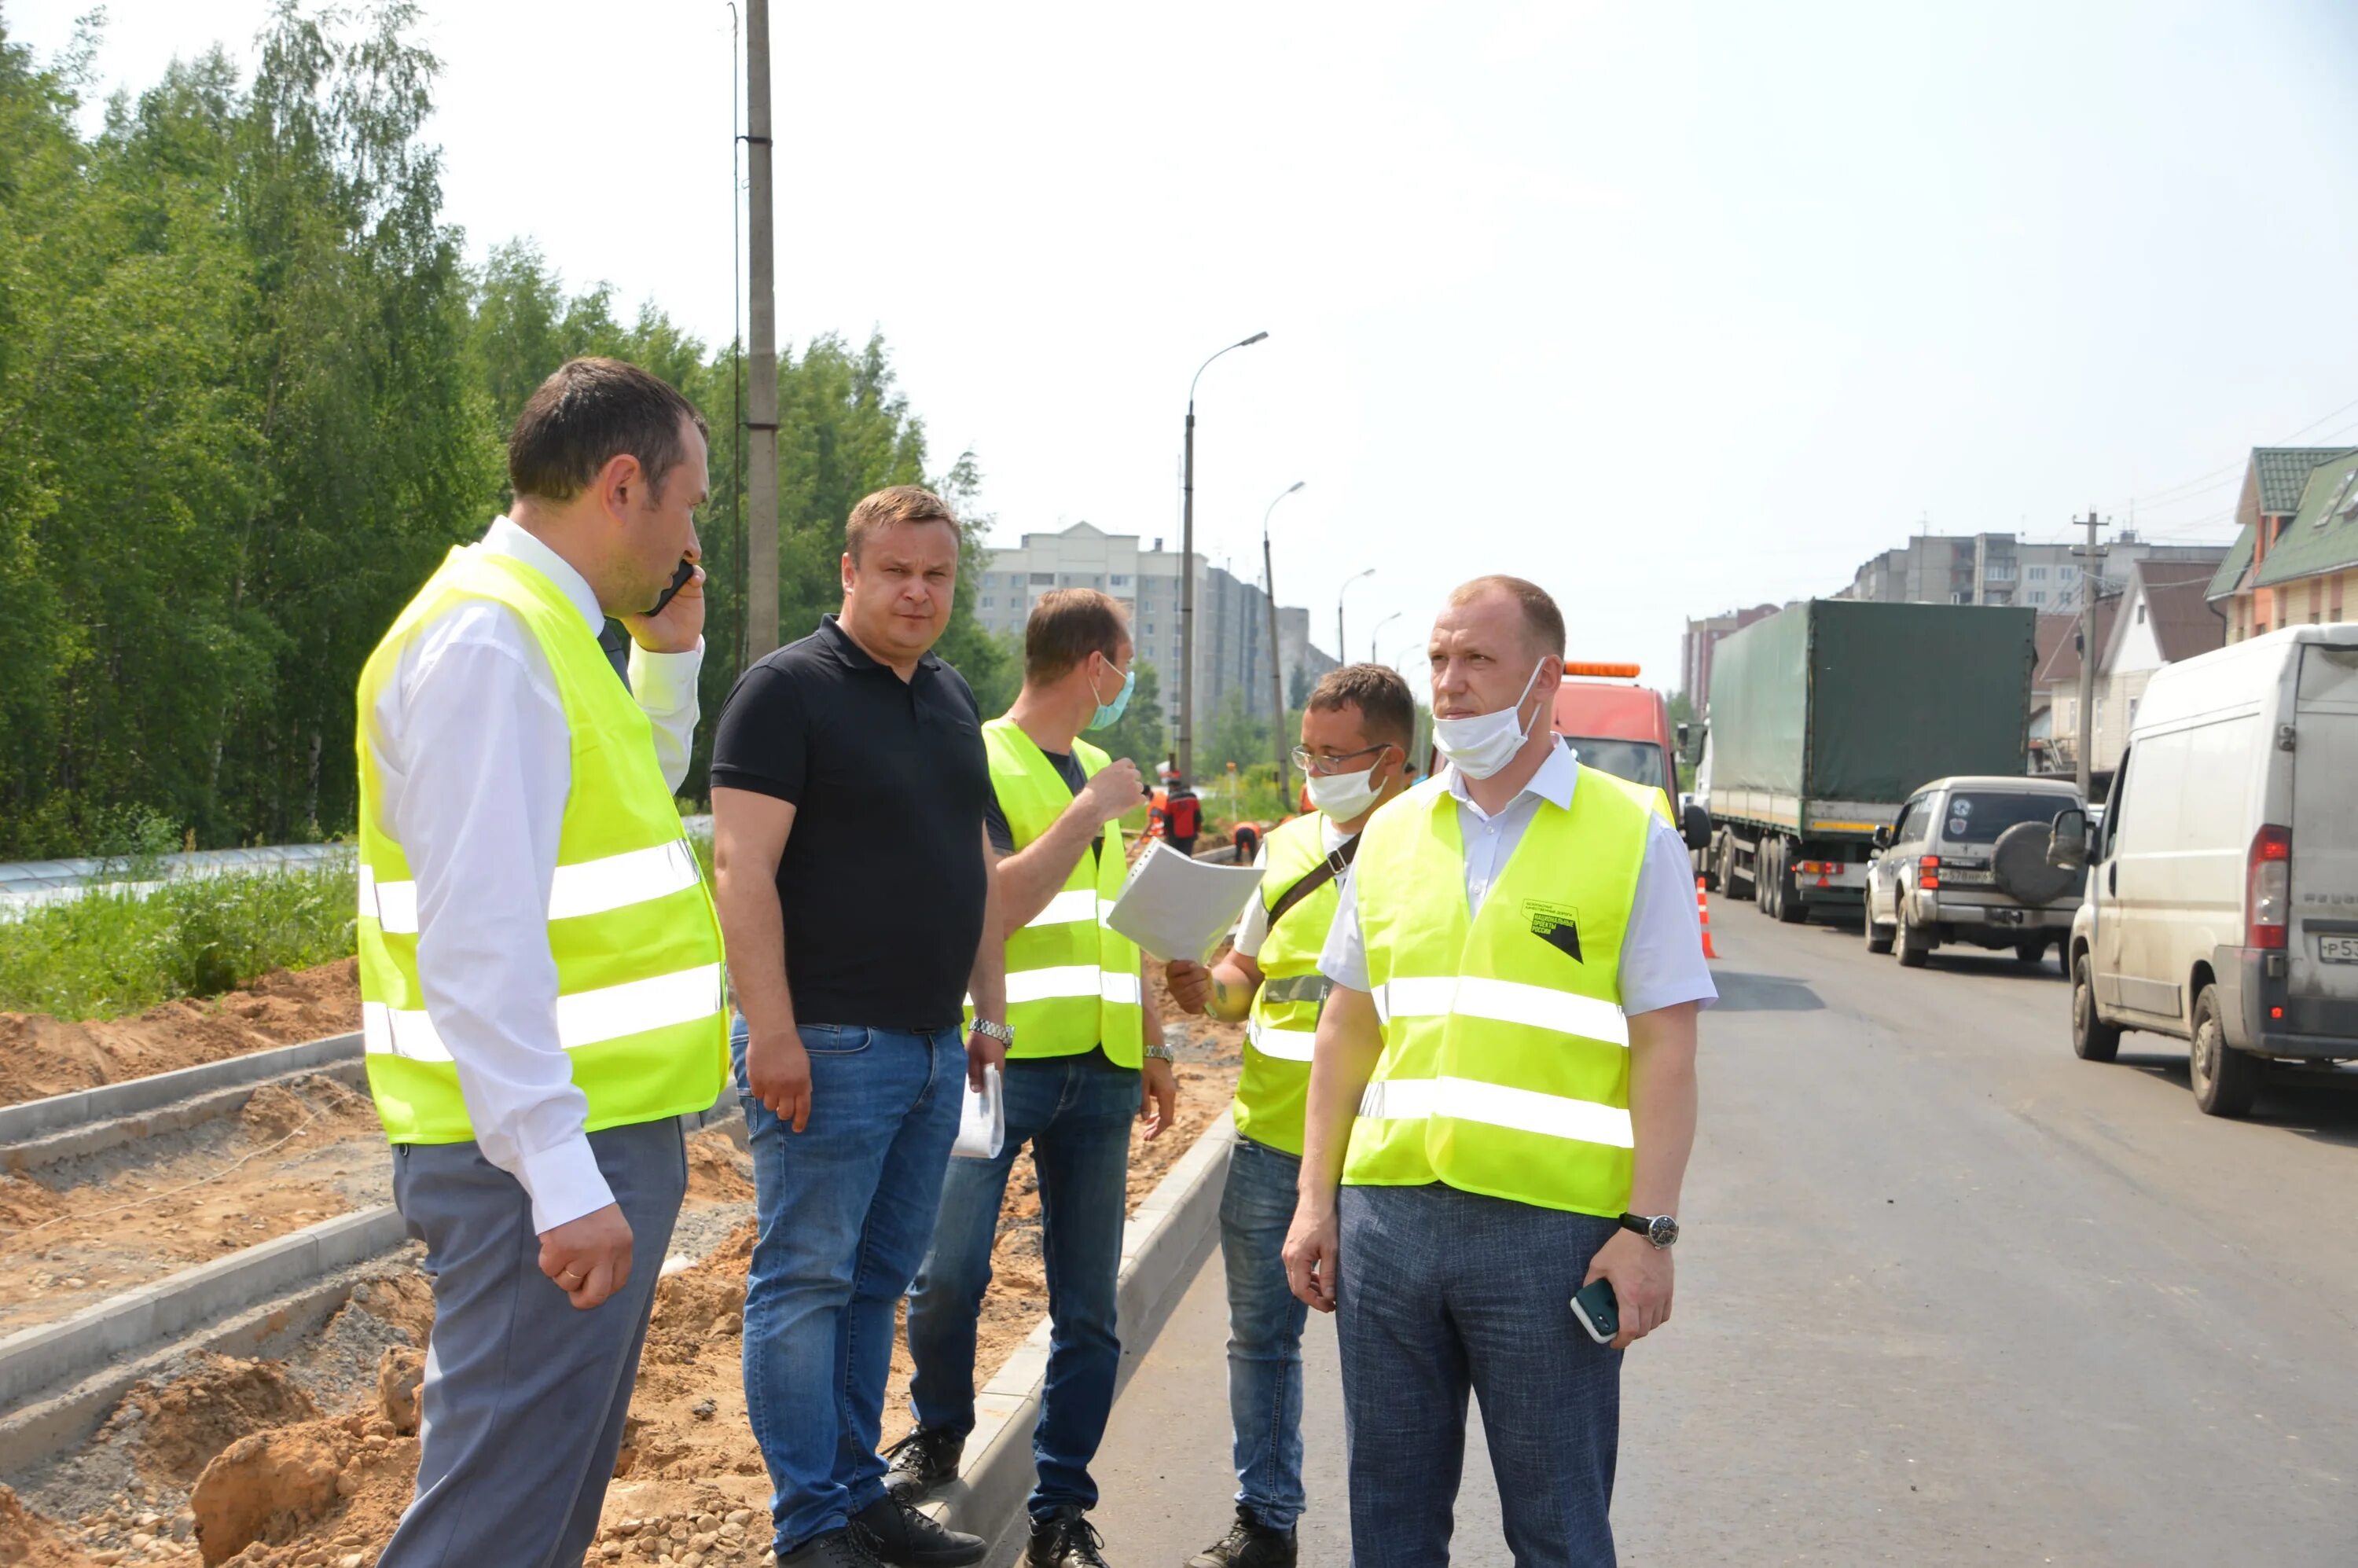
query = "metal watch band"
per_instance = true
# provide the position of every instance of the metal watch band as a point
(1160, 1053)
(999, 1032)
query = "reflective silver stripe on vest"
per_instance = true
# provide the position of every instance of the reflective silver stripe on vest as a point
(585, 1018)
(1070, 980)
(1503, 1001)
(1312, 987)
(1495, 1104)
(1285, 1044)
(1070, 907)
(586, 887)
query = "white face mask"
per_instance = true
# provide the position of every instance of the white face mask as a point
(1480, 746)
(1343, 796)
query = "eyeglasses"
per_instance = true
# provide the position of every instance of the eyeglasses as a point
(1326, 766)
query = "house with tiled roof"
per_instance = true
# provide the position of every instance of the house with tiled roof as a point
(2160, 615)
(2297, 553)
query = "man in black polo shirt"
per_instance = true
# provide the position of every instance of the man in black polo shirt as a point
(849, 786)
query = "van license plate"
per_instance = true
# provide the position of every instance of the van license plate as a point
(2338, 949)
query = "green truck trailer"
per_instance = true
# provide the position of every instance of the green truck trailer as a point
(1825, 716)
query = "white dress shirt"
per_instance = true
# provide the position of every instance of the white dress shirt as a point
(1252, 925)
(1661, 952)
(471, 742)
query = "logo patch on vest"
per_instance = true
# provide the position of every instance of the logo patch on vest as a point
(1557, 925)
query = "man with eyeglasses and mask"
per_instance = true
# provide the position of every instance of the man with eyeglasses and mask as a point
(1357, 729)
(1503, 1090)
(1084, 1057)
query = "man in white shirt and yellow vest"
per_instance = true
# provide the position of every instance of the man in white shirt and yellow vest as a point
(1357, 729)
(1086, 1060)
(1504, 1091)
(540, 964)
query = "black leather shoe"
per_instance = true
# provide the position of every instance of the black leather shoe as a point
(836, 1549)
(904, 1538)
(1248, 1544)
(922, 1460)
(1065, 1540)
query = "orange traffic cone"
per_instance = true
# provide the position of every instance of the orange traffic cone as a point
(1703, 907)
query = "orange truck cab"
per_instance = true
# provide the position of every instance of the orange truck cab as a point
(1617, 726)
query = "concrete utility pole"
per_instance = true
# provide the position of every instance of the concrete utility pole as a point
(1276, 662)
(762, 403)
(2089, 557)
(1187, 573)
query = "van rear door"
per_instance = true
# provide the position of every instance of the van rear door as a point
(2322, 946)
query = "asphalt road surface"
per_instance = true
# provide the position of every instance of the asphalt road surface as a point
(1946, 1295)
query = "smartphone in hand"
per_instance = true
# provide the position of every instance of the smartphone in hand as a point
(679, 580)
(1599, 1312)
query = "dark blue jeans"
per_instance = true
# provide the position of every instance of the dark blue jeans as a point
(1441, 1290)
(1265, 1321)
(845, 1208)
(1076, 1112)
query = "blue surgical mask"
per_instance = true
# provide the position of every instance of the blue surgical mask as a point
(1110, 713)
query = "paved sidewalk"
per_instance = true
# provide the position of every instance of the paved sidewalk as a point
(1164, 1470)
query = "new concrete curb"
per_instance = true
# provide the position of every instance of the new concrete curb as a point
(108, 1102)
(1167, 1240)
(49, 1353)
(51, 1428)
(98, 1137)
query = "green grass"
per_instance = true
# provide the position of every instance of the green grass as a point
(111, 954)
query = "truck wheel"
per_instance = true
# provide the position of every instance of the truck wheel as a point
(2225, 1080)
(1731, 881)
(2092, 1040)
(1792, 908)
(1911, 947)
(1764, 874)
(2031, 953)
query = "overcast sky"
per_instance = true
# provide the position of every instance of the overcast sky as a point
(1669, 308)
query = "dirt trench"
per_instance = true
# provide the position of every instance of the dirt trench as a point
(308, 1462)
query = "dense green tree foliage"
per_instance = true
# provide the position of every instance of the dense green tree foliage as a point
(250, 391)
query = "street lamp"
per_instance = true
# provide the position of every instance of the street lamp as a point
(1377, 633)
(1187, 574)
(1276, 675)
(1342, 649)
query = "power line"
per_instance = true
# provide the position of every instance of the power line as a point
(2237, 467)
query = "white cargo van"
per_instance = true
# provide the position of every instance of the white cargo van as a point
(2222, 905)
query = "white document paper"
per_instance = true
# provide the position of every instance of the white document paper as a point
(983, 1121)
(1174, 907)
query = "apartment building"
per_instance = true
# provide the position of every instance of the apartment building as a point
(1232, 649)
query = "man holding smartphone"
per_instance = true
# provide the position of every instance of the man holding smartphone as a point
(1503, 1091)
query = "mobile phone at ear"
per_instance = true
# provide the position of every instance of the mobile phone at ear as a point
(679, 580)
(1598, 1311)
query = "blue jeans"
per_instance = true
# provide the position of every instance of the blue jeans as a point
(1265, 1321)
(846, 1207)
(1076, 1112)
(1441, 1290)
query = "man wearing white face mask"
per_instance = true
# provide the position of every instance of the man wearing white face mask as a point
(1356, 733)
(1503, 1090)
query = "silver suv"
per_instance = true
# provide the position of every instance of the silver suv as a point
(1967, 862)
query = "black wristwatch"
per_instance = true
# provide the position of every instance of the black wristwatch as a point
(1660, 1229)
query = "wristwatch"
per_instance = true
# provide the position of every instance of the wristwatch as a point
(1162, 1052)
(1660, 1229)
(999, 1032)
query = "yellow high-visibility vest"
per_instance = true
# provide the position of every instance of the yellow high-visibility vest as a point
(1072, 981)
(1506, 1061)
(1272, 1089)
(637, 944)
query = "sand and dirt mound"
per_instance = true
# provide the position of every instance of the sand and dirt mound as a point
(40, 1056)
